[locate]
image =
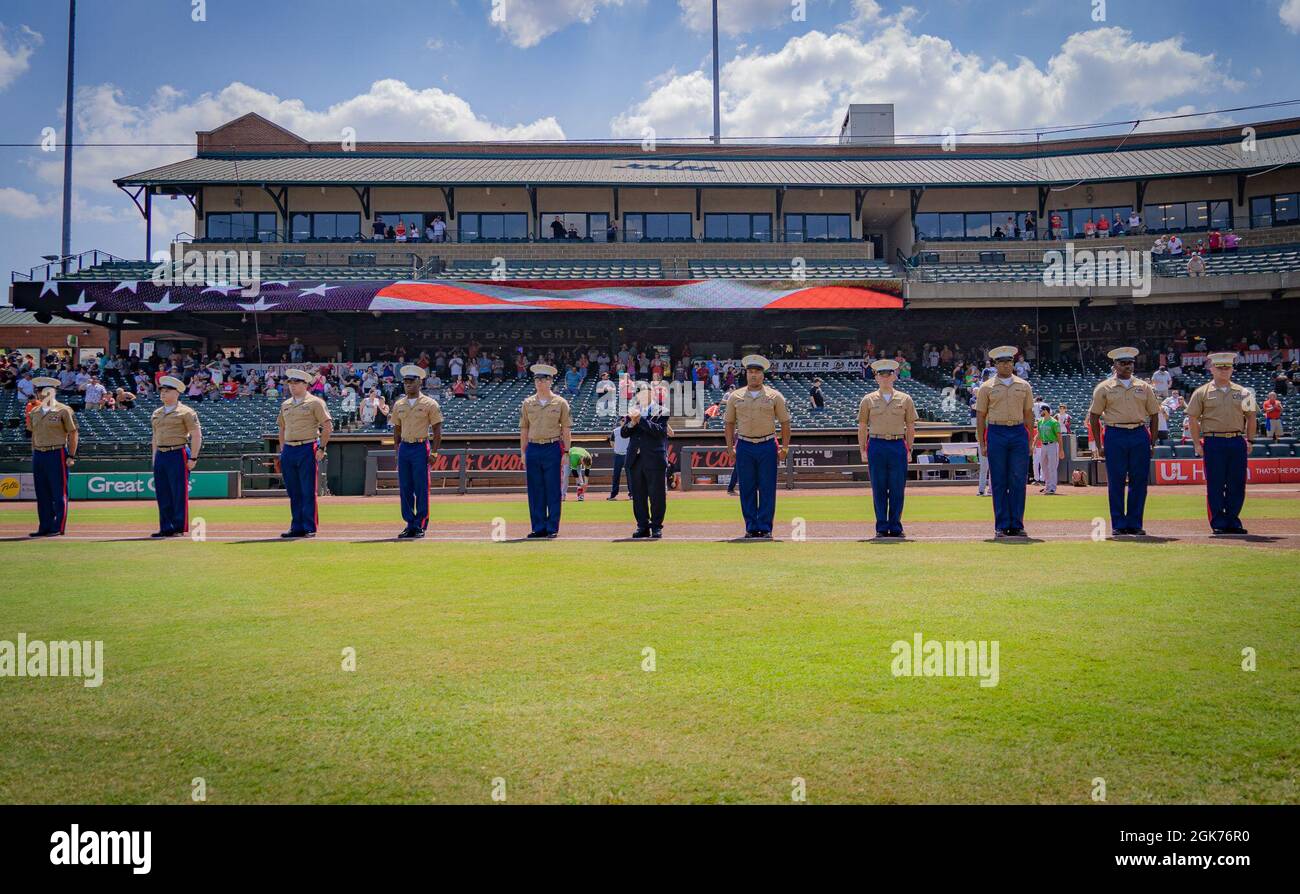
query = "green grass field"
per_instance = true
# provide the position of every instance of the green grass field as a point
(772, 661)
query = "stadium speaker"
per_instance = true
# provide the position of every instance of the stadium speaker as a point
(43, 317)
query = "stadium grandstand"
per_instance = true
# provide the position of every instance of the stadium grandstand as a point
(820, 256)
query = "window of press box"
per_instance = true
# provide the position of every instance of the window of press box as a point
(745, 227)
(934, 225)
(415, 222)
(815, 227)
(243, 225)
(489, 227)
(1273, 211)
(575, 225)
(325, 225)
(640, 226)
(1207, 215)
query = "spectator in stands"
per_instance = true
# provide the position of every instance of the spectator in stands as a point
(558, 230)
(390, 234)
(1231, 241)
(1103, 227)
(1056, 225)
(439, 228)
(1216, 242)
(95, 392)
(1161, 246)
(1089, 229)
(1175, 246)
(1161, 380)
(25, 387)
(370, 409)
(229, 389)
(123, 399)
(1281, 381)
(1031, 227)
(997, 233)
(1117, 225)
(377, 229)
(816, 400)
(400, 230)
(1195, 265)
(297, 351)
(1022, 367)
(458, 389)
(1273, 415)
(1135, 225)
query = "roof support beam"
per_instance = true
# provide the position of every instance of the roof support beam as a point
(1043, 192)
(532, 203)
(363, 196)
(915, 195)
(1241, 190)
(616, 203)
(699, 203)
(1140, 195)
(281, 198)
(780, 204)
(449, 196)
(859, 199)
(135, 197)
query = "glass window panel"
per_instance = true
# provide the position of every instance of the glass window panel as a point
(515, 226)
(837, 226)
(633, 227)
(218, 226)
(266, 227)
(1153, 217)
(978, 226)
(1221, 215)
(1198, 215)
(927, 226)
(762, 227)
(1176, 216)
(715, 226)
(815, 226)
(952, 226)
(301, 227)
(794, 228)
(1261, 212)
(679, 226)
(597, 226)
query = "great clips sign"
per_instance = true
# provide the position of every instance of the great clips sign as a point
(1258, 471)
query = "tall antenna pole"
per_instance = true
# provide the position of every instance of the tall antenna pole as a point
(67, 142)
(717, 110)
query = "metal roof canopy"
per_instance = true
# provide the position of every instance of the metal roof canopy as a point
(948, 170)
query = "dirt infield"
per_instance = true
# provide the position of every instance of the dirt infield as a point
(1269, 533)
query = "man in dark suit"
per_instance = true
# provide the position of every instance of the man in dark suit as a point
(646, 428)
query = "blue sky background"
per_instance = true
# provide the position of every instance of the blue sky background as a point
(575, 69)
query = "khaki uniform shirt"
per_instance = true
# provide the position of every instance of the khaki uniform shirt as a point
(173, 429)
(1117, 405)
(1005, 404)
(756, 417)
(413, 419)
(887, 418)
(303, 421)
(1219, 412)
(545, 423)
(51, 428)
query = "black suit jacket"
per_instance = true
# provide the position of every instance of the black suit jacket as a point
(647, 440)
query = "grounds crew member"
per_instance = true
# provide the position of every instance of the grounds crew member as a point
(752, 413)
(1221, 417)
(1004, 416)
(579, 466)
(886, 432)
(545, 432)
(417, 428)
(177, 440)
(305, 429)
(1125, 415)
(54, 449)
(1049, 436)
(646, 428)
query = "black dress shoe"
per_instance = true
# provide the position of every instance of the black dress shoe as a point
(309, 534)
(999, 533)
(407, 534)
(898, 534)
(552, 535)
(536, 535)
(764, 535)
(291, 534)
(161, 534)
(1137, 532)
(1237, 529)
(41, 534)
(640, 533)
(656, 533)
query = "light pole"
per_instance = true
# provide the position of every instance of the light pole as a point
(717, 111)
(67, 141)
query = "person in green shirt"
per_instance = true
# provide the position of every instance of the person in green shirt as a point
(580, 466)
(1049, 436)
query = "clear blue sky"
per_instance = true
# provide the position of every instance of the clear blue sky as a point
(149, 73)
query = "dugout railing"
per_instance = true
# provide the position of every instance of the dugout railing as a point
(260, 476)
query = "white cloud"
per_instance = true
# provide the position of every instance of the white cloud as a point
(804, 87)
(527, 23)
(1290, 13)
(389, 110)
(20, 204)
(16, 53)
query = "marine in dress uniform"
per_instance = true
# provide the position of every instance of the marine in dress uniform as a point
(54, 449)
(177, 440)
(751, 416)
(1125, 414)
(305, 429)
(417, 426)
(886, 430)
(1004, 416)
(646, 429)
(545, 428)
(1221, 416)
